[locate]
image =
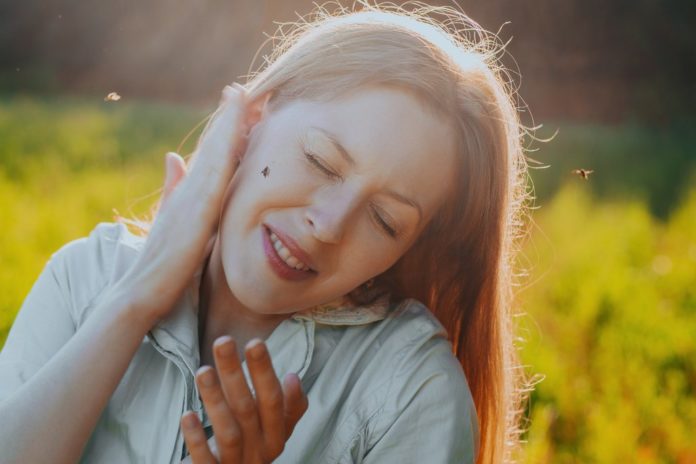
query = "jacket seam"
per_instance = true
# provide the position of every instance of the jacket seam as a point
(382, 404)
(112, 238)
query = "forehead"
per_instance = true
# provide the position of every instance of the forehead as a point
(395, 141)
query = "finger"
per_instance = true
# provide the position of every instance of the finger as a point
(195, 439)
(218, 146)
(237, 393)
(175, 171)
(269, 398)
(296, 402)
(228, 435)
(202, 188)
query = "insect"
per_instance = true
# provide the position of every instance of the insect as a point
(584, 173)
(113, 96)
(265, 171)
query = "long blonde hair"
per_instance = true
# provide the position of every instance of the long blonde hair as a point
(461, 267)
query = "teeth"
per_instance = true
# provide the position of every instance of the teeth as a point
(284, 253)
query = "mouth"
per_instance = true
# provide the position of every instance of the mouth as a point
(282, 260)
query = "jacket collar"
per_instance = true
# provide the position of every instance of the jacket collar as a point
(343, 312)
(177, 334)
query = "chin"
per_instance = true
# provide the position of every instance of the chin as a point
(253, 292)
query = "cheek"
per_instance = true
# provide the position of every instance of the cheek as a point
(285, 185)
(287, 172)
(251, 194)
(366, 254)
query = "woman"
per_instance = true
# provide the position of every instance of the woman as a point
(348, 217)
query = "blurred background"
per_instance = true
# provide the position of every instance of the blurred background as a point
(608, 321)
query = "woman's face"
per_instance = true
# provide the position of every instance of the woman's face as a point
(351, 182)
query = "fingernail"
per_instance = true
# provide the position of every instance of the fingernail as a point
(206, 376)
(225, 346)
(255, 349)
(189, 421)
(291, 379)
(230, 92)
(168, 163)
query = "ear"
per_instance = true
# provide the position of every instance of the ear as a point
(257, 110)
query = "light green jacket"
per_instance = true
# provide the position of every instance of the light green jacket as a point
(382, 382)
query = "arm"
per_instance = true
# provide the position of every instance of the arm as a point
(56, 381)
(57, 387)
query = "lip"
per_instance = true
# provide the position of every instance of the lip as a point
(294, 248)
(276, 263)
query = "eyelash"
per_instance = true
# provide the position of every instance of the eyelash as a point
(312, 158)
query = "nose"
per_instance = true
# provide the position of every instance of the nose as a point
(330, 215)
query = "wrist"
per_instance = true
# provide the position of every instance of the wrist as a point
(121, 301)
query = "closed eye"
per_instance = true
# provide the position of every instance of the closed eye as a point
(314, 160)
(390, 230)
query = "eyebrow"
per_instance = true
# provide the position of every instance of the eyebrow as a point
(349, 159)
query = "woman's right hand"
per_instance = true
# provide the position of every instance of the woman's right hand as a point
(186, 224)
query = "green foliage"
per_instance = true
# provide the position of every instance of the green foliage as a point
(610, 307)
(610, 322)
(74, 134)
(65, 165)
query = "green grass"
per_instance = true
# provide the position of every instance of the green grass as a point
(610, 302)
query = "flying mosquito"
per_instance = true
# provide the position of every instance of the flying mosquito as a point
(113, 96)
(584, 173)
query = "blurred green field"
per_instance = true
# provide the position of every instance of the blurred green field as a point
(609, 304)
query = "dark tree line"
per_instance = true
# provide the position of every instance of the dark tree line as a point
(606, 60)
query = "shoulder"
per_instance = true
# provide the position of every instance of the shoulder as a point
(427, 387)
(411, 317)
(87, 265)
(410, 332)
(96, 247)
(411, 352)
(421, 351)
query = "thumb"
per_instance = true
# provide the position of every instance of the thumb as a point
(175, 170)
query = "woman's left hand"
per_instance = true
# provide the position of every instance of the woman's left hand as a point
(245, 429)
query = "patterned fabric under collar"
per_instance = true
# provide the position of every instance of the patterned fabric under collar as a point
(344, 312)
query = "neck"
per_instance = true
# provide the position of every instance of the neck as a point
(220, 313)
